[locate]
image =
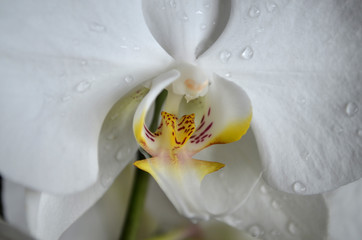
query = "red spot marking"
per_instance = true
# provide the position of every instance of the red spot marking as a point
(203, 118)
(148, 131)
(208, 113)
(202, 124)
(181, 128)
(183, 119)
(149, 137)
(207, 129)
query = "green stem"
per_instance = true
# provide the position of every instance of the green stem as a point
(140, 184)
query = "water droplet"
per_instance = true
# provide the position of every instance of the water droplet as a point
(337, 129)
(301, 100)
(292, 228)
(255, 231)
(83, 62)
(83, 86)
(275, 204)
(184, 17)
(128, 79)
(306, 155)
(247, 53)
(254, 12)
(359, 132)
(274, 233)
(114, 116)
(224, 56)
(351, 109)
(203, 27)
(136, 48)
(199, 12)
(96, 27)
(123, 153)
(263, 189)
(66, 98)
(124, 46)
(112, 135)
(299, 187)
(206, 5)
(271, 6)
(106, 180)
(227, 74)
(172, 3)
(195, 220)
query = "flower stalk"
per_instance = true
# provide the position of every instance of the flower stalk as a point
(140, 184)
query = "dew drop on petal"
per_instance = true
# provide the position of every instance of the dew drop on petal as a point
(255, 231)
(106, 180)
(172, 3)
(227, 74)
(96, 27)
(203, 27)
(292, 228)
(136, 48)
(275, 204)
(128, 79)
(66, 98)
(224, 56)
(184, 17)
(351, 109)
(271, 6)
(124, 153)
(247, 53)
(299, 187)
(83, 62)
(274, 233)
(254, 12)
(82, 86)
(199, 12)
(359, 132)
(263, 189)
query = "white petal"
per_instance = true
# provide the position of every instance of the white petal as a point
(238, 196)
(48, 216)
(345, 217)
(186, 29)
(61, 73)
(302, 74)
(103, 220)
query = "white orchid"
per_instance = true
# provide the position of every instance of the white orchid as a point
(66, 122)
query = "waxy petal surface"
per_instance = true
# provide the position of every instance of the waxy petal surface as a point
(63, 66)
(300, 63)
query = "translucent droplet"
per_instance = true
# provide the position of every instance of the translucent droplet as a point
(274, 233)
(255, 231)
(82, 86)
(351, 109)
(247, 53)
(292, 228)
(184, 17)
(96, 27)
(123, 153)
(112, 136)
(306, 155)
(207, 5)
(359, 132)
(203, 27)
(128, 79)
(83, 62)
(224, 56)
(106, 180)
(271, 6)
(301, 100)
(254, 12)
(227, 74)
(199, 12)
(136, 48)
(66, 98)
(263, 189)
(172, 3)
(275, 204)
(299, 187)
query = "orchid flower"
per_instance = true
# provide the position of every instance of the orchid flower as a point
(66, 123)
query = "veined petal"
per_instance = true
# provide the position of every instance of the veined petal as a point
(62, 69)
(300, 63)
(48, 216)
(223, 115)
(143, 136)
(238, 196)
(185, 29)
